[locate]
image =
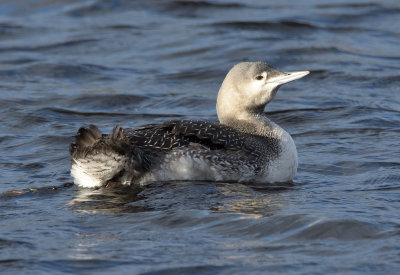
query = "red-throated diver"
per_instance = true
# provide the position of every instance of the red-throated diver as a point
(245, 146)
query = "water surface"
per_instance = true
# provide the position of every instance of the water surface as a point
(64, 65)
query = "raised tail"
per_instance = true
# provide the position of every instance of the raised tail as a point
(97, 159)
(84, 139)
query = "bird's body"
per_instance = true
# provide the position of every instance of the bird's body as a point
(244, 147)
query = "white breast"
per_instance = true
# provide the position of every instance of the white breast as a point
(284, 168)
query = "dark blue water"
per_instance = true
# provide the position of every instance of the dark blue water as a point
(64, 64)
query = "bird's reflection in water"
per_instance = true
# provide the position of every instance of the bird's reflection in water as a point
(259, 200)
(106, 200)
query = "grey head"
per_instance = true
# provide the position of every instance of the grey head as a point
(248, 87)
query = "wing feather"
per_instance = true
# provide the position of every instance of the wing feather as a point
(179, 133)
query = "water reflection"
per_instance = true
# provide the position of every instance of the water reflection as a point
(235, 198)
(106, 200)
(259, 200)
(93, 64)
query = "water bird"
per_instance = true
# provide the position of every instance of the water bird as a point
(245, 146)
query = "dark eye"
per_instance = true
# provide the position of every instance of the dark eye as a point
(259, 77)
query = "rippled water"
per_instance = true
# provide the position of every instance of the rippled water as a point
(64, 64)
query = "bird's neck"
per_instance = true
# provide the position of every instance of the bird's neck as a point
(253, 123)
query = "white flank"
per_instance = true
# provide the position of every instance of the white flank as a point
(81, 177)
(96, 170)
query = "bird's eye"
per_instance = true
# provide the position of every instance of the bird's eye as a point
(259, 77)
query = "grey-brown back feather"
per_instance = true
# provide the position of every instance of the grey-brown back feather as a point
(212, 135)
(173, 134)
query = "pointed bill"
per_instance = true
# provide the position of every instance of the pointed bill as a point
(287, 77)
